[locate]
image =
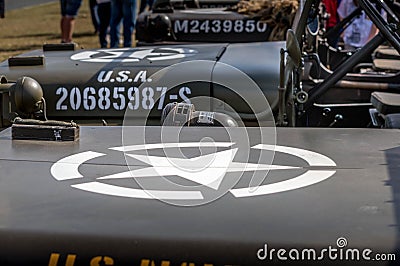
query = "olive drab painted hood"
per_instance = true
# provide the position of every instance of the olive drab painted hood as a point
(103, 83)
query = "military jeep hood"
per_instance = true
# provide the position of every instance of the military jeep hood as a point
(60, 205)
(99, 83)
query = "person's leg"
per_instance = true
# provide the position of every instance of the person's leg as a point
(129, 10)
(116, 15)
(2, 9)
(65, 29)
(143, 4)
(62, 27)
(150, 3)
(68, 21)
(104, 11)
(69, 26)
(94, 15)
(63, 5)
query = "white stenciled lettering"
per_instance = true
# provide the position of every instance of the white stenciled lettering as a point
(120, 96)
(117, 98)
(194, 26)
(75, 98)
(238, 26)
(133, 96)
(163, 90)
(183, 92)
(250, 26)
(104, 76)
(148, 98)
(261, 26)
(104, 98)
(60, 103)
(181, 26)
(123, 76)
(205, 26)
(89, 99)
(142, 76)
(218, 26)
(227, 26)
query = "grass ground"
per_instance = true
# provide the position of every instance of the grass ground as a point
(27, 29)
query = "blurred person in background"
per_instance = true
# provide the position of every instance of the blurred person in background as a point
(124, 10)
(104, 12)
(144, 4)
(2, 8)
(69, 11)
(94, 15)
(331, 7)
(361, 29)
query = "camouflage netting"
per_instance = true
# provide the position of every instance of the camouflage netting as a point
(278, 14)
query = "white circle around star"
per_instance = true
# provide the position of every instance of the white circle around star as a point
(207, 170)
